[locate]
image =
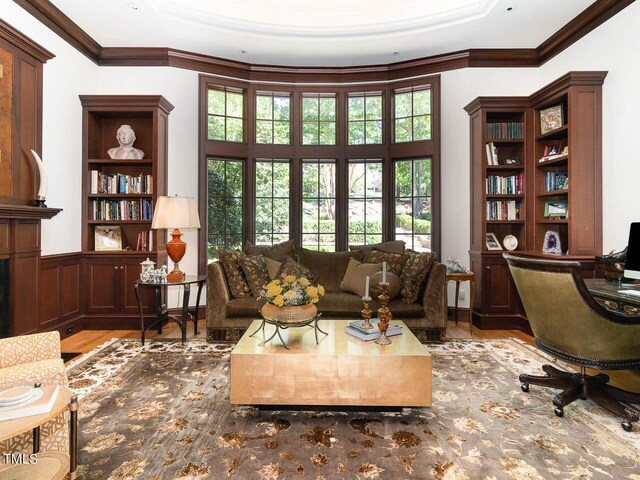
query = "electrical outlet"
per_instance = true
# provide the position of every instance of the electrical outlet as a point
(461, 295)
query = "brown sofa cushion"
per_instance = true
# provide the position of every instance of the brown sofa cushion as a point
(354, 277)
(245, 307)
(255, 272)
(291, 267)
(235, 277)
(415, 271)
(392, 279)
(330, 266)
(395, 261)
(277, 252)
(394, 246)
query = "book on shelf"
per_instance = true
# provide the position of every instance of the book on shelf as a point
(42, 405)
(144, 241)
(552, 152)
(556, 181)
(117, 183)
(503, 210)
(140, 209)
(505, 130)
(500, 185)
(492, 154)
(355, 329)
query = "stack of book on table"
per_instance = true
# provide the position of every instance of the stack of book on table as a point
(18, 402)
(355, 329)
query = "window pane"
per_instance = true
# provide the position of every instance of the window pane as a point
(310, 215)
(327, 133)
(281, 133)
(224, 205)
(403, 104)
(216, 102)
(310, 241)
(374, 216)
(374, 180)
(272, 200)
(403, 181)
(374, 108)
(234, 104)
(356, 133)
(356, 180)
(403, 130)
(421, 178)
(264, 133)
(318, 213)
(327, 109)
(403, 216)
(374, 132)
(281, 107)
(310, 186)
(235, 172)
(327, 180)
(264, 174)
(310, 133)
(264, 107)
(216, 128)
(365, 204)
(264, 215)
(413, 203)
(280, 179)
(309, 108)
(234, 129)
(422, 102)
(356, 108)
(422, 128)
(281, 216)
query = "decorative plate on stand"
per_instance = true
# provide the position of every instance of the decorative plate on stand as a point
(510, 242)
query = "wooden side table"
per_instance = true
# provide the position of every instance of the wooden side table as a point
(463, 277)
(50, 465)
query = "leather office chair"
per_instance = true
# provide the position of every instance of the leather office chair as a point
(570, 325)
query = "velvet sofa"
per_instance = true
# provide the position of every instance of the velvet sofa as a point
(228, 317)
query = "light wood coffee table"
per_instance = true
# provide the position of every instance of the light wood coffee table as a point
(340, 370)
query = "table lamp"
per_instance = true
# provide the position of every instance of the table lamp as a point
(176, 213)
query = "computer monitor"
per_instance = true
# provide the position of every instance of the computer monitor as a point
(632, 264)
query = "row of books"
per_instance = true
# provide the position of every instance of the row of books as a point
(505, 130)
(144, 241)
(355, 330)
(141, 209)
(503, 210)
(511, 185)
(556, 181)
(117, 183)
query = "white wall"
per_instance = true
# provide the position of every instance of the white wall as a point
(614, 46)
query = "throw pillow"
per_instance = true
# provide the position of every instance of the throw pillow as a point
(273, 267)
(354, 277)
(235, 277)
(329, 266)
(393, 290)
(291, 267)
(255, 271)
(276, 252)
(395, 261)
(415, 271)
(394, 246)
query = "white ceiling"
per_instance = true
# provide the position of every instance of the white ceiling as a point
(321, 32)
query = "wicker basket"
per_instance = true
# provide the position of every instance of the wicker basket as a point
(294, 314)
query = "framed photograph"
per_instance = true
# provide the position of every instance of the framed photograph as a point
(551, 150)
(492, 242)
(108, 237)
(512, 161)
(550, 119)
(551, 243)
(556, 208)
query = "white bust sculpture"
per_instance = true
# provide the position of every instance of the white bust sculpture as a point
(126, 137)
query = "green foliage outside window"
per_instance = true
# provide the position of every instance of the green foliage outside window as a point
(224, 205)
(365, 119)
(318, 120)
(273, 119)
(225, 115)
(412, 115)
(412, 194)
(272, 201)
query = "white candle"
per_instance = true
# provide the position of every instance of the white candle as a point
(384, 272)
(42, 190)
(366, 287)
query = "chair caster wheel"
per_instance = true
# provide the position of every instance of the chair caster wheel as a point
(626, 426)
(525, 387)
(559, 412)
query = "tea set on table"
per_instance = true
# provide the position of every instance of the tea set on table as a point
(151, 275)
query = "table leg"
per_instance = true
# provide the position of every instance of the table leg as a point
(36, 440)
(159, 308)
(141, 314)
(455, 310)
(185, 312)
(73, 438)
(471, 300)
(195, 315)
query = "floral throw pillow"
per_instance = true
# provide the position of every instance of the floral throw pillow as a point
(395, 261)
(291, 267)
(255, 271)
(235, 277)
(414, 272)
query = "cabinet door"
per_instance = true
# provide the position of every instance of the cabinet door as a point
(103, 285)
(130, 273)
(500, 295)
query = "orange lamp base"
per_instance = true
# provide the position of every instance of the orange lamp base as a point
(176, 249)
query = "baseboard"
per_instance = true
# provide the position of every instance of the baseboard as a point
(506, 322)
(463, 314)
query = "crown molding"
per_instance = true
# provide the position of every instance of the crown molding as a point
(13, 36)
(592, 17)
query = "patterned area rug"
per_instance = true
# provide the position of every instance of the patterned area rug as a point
(162, 412)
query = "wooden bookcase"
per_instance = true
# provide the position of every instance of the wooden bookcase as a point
(110, 275)
(579, 94)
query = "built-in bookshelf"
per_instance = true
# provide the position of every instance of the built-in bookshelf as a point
(535, 168)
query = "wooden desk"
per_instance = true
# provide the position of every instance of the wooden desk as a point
(464, 277)
(606, 294)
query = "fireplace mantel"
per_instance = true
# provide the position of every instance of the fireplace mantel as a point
(27, 212)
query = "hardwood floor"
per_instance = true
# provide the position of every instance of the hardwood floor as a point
(87, 340)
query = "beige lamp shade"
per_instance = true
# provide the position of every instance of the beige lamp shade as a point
(176, 212)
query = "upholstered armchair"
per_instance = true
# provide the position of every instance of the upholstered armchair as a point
(570, 325)
(26, 360)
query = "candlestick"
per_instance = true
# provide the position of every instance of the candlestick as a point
(384, 272)
(384, 314)
(366, 312)
(366, 286)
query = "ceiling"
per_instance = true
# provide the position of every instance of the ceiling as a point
(321, 32)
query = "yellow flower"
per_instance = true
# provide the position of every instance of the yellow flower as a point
(315, 299)
(279, 301)
(312, 291)
(290, 294)
(304, 282)
(289, 279)
(273, 290)
(321, 290)
(273, 282)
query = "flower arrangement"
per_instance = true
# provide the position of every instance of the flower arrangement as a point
(291, 291)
